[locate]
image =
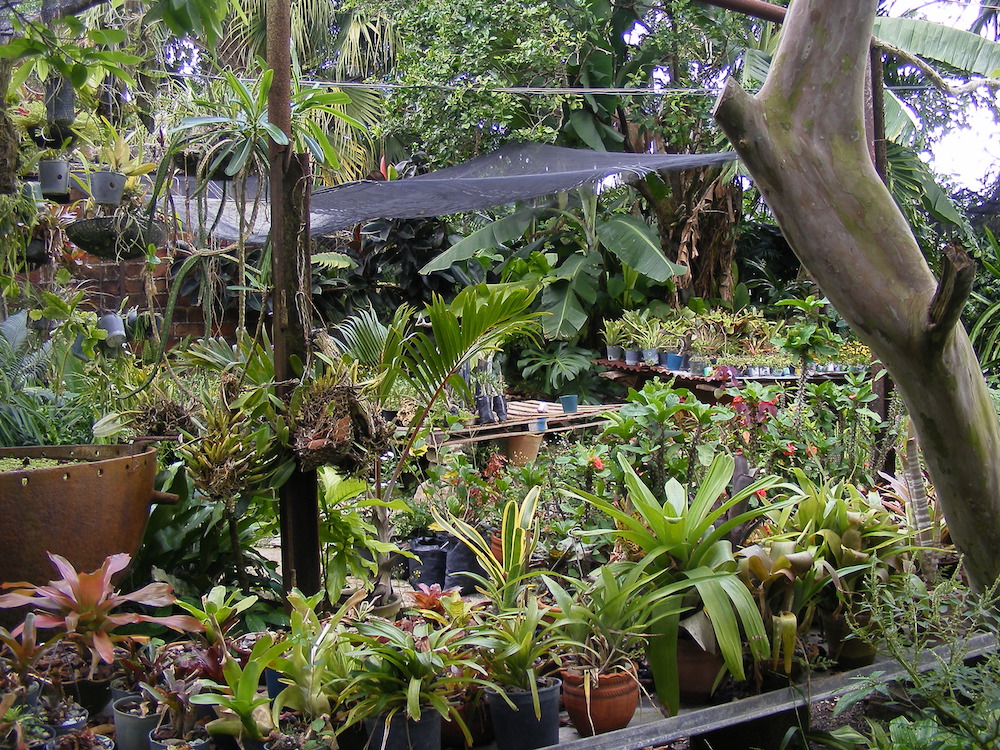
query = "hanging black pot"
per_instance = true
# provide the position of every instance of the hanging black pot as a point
(60, 102)
(431, 563)
(500, 407)
(118, 236)
(459, 561)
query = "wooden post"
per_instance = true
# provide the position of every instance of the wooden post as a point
(298, 501)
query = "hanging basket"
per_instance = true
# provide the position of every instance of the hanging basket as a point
(118, 236)
(60, 102)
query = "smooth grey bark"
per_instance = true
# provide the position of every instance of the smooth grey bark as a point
(802, 138)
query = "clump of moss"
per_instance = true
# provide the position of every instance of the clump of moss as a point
(27, 463)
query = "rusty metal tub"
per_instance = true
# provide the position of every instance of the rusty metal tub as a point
(83, 511)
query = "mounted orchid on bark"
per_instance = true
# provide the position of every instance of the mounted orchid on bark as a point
(82, 605)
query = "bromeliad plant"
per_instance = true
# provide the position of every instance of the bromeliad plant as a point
(786, 580)
(684, 540)
(608, 620)
(506, 580)
(409, 672)
(316, 660)
(517, 644)
(81, 606)
(249, 718)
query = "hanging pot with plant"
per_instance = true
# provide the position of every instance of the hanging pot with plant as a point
(53, 176)
(122, 235)
(107, 187)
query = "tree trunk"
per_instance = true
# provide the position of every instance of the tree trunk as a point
(802, 137)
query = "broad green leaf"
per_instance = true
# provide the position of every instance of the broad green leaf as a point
(638, 246)
(956, 48)
(492, 235)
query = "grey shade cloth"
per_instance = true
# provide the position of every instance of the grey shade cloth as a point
(516, 171)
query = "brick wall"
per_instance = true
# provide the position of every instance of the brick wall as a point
(109, 282)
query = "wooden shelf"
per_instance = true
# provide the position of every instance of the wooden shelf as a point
(522, 416)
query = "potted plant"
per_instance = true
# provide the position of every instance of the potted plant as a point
(786, 580)
(245, 716)
(20, 729)
(682, 542)
(406, 680)
(178, 720)
(521, 648)
(315, 665)
(53, 172)
(135, 717)
(506, 574)
(119, 165)
(607, 622)
(81, 607)
(636, 326)
(613, 333)
(857, 535)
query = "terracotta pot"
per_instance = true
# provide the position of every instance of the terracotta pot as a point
(610, 705)
(848, 651)
(496, 546)
(697, 670)
(523, 449)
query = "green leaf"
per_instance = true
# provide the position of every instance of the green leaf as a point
(493, 235)
(107, 37)
(638, 246)
(582, 122)
(953, 47)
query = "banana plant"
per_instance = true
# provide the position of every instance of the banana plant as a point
(571, 283)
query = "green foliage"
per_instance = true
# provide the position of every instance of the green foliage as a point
(984, 329)
(558, 365)
(609, 619)
(663, 432)
(506, 580)
(316, 661)
(240, 692)
(954, 704)
(517, 645)
(682, 542)
(345, 534)
(409, 672)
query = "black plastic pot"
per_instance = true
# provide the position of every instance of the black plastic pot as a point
(431, 563)
(53, 176)
(460, 560)
(107, 187)
(518, 728)
(131, 729)
(500, 407)
(485, 410)
(402, 733)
